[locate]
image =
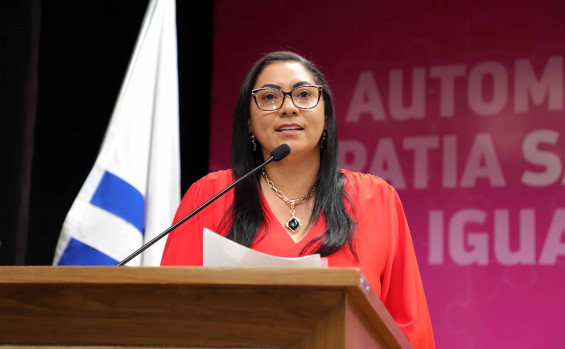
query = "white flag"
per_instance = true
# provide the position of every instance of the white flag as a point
(133, 190)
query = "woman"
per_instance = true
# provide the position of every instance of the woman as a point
(305, 204)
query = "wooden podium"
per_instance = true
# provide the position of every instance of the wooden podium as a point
(192, 307)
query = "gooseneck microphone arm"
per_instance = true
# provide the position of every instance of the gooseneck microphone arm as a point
(276, 155)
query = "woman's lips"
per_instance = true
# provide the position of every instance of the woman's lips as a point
(289, 129)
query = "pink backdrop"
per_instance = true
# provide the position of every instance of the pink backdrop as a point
(459, 105)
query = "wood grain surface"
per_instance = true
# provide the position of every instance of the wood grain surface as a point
(191, 307)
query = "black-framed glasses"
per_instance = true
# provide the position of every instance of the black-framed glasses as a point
(303, 97)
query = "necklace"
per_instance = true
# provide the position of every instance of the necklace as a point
(293, 224)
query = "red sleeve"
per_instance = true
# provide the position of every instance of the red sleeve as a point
(402, 289)
(184, 244)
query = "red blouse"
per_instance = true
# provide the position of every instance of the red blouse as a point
(383, 243)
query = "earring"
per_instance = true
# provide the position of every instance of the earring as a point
(252, 139)
(323, 139)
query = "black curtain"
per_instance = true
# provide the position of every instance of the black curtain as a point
(66, 62)
(19, 41)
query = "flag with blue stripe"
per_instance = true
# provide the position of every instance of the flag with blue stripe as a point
(133, 190)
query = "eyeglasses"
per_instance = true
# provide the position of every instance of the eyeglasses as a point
(303, 97)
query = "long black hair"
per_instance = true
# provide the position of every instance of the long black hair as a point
(245, 216)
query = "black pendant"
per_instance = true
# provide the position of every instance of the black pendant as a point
(293, 224)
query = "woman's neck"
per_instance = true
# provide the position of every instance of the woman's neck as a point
(293, 177)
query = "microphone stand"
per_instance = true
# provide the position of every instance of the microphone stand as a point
(188, 216)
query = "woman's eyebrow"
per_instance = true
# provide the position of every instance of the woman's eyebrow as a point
(300, 83)
(271, 86)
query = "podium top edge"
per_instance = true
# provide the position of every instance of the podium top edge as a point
(196, 276)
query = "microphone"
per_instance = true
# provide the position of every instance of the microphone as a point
(277, 155)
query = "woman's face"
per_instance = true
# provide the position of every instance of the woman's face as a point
(301, 129)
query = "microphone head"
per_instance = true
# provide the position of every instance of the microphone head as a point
(280, 152)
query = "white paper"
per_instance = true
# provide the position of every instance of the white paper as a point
(221, 252)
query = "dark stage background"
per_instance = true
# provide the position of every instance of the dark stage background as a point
(62, 64)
